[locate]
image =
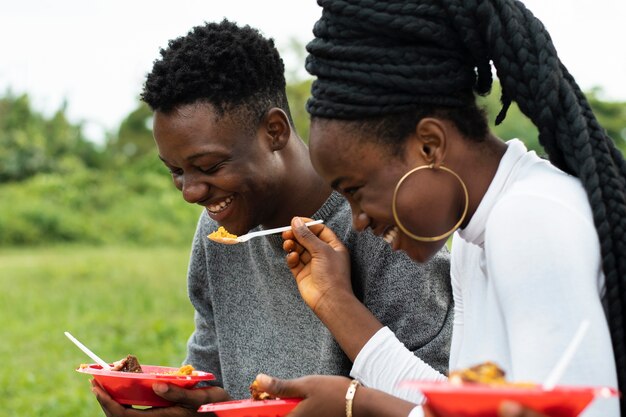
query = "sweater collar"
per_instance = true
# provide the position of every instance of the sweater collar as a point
(326, 211)
(509, 165)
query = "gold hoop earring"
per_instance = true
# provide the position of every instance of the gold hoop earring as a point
(434, 238)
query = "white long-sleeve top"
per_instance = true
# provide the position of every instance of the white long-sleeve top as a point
(526, 271)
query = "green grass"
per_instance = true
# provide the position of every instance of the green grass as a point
(116, 300)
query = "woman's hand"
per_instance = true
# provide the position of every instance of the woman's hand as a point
(187, 401)
(318, 260)
(321, 265)
(322, 395)
(326, 396)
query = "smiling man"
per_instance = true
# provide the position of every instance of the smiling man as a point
(223, 128)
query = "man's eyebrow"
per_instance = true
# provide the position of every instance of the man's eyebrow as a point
(199, 155)
(191, 157)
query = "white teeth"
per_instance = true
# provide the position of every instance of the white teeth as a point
(390, 235)
(216, 208)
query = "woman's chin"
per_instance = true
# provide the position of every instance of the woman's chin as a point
(420, 252)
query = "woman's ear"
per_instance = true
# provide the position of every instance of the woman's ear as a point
(432, 140)
(277, 128)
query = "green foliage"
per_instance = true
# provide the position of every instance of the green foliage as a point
(134, 139)
(298, 93)
(610, 114)
(138, 205)
(612, 117)
(116, 300)
(68, 192)
(31, 143)
(515, 125)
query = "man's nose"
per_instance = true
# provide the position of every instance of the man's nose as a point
(194, 189)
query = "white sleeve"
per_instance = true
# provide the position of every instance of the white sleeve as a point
(544, 261)
(384, 362)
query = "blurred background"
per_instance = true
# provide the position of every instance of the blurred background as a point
(94, 239)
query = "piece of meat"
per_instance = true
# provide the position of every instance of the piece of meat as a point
(127, 364)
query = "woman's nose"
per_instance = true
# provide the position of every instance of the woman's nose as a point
(360, 221)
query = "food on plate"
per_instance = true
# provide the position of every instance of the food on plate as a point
(259, 395)
(221, 233)
(131, 364)
(183, 370)
(127, 364)
(485, 373)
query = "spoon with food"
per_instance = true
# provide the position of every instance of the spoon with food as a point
(221, 235)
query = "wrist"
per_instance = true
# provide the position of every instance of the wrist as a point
(349, 321)
(369, 402)
(334, 300)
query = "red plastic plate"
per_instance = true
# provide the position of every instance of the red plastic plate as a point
(251, 408)
(136, 388)
(472, 400)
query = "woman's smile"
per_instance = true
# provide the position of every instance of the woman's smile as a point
(390, 235)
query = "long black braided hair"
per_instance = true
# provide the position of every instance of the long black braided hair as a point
(386, 57)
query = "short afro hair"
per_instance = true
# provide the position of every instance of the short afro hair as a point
(222, 64)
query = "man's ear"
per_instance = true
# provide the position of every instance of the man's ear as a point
(276, 128)
(431, 139)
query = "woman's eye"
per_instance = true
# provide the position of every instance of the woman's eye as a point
(350, 190)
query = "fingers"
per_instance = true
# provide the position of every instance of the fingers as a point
(300, 237)
(293, 263)
(307, 236)
(278, 387)
(187, 401)
(291, 246)
(297, 256)
(110, 407)
(191, 398)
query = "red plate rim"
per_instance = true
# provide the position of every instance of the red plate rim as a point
(95, 369)
(445, 387)
(247, 404)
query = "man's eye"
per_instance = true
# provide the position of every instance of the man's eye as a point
(211, 169)
(175, 171)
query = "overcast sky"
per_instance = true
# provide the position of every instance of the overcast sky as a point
(95, 53)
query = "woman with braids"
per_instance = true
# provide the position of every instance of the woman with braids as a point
(538, 247)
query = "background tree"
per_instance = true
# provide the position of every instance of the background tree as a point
(30, 143)
(63, 188)
(298, 92)
(134, 138)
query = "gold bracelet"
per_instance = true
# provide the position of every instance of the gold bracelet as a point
(350, 396)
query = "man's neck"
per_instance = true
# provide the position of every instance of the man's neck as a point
(305, 192)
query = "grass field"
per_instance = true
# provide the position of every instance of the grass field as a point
(116, 300)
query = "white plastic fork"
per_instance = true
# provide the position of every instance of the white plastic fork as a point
(248, 236)
(88, 352)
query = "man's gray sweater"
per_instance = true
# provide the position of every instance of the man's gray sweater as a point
(250, 317)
